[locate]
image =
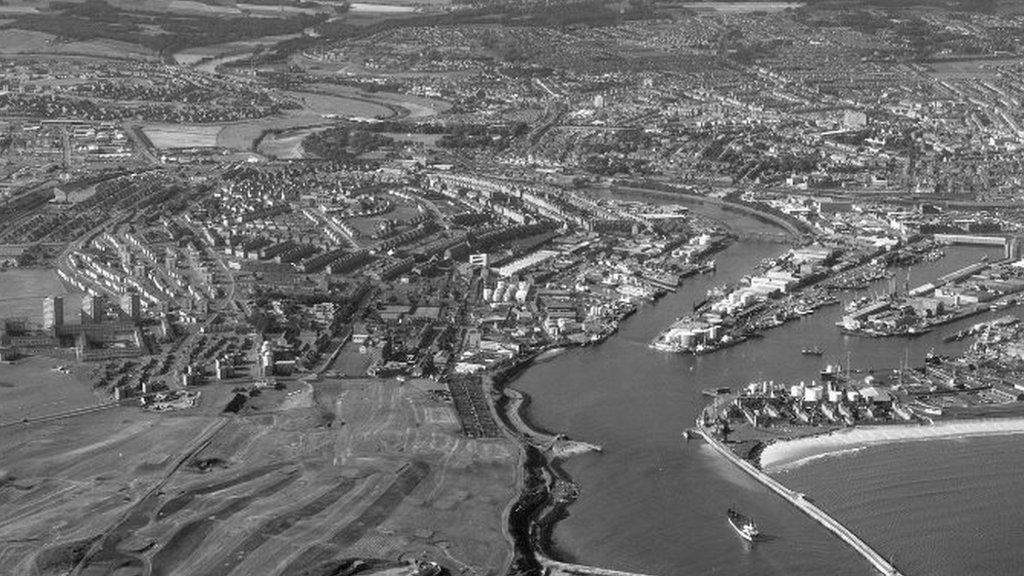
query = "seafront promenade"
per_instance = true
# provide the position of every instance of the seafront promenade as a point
(798, 500)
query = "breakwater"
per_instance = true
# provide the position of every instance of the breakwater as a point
(556, 568)
(804, 505)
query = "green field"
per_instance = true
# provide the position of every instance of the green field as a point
(22, 292)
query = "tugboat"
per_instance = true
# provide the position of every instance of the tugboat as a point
(815, 351)
(743, 526)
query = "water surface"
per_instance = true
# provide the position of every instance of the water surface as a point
(655, 503)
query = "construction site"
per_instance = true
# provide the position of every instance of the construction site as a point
(315, 477)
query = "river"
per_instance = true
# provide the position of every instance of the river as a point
(653, 502)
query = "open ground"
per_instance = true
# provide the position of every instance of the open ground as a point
(164, 136)
(740, 7)
(16, 42)
(351, 469)
(316, 110)
(31, 388)
(22, 291)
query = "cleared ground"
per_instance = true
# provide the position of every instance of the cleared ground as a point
(164, 136)
(741, 7)
(30, 388)
(379, 7)
(358, 469)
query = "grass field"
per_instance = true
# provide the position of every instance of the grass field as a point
(416, 106)
(13, 41)
(241, 135)
(166, 136)
(285, 146)
(340, 105)
(969, 69)
(195, 54)
(22, 292)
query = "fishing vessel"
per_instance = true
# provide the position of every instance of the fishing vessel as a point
(815, 351)
(743, 525)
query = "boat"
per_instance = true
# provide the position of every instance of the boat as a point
(743, 526)
(815, 351)
(426, 569)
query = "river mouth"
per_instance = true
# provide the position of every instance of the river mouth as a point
(653, 502)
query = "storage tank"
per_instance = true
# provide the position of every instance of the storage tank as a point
(686, 338)
(814, 394)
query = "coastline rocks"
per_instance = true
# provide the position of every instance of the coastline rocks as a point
(562, 447)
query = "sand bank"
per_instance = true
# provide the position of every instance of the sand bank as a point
(788, 454)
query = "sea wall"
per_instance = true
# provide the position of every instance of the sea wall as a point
(805, 506)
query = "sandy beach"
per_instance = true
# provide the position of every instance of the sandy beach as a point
(789, 454)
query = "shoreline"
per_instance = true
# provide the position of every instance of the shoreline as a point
(782, 455)
(546, 490)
